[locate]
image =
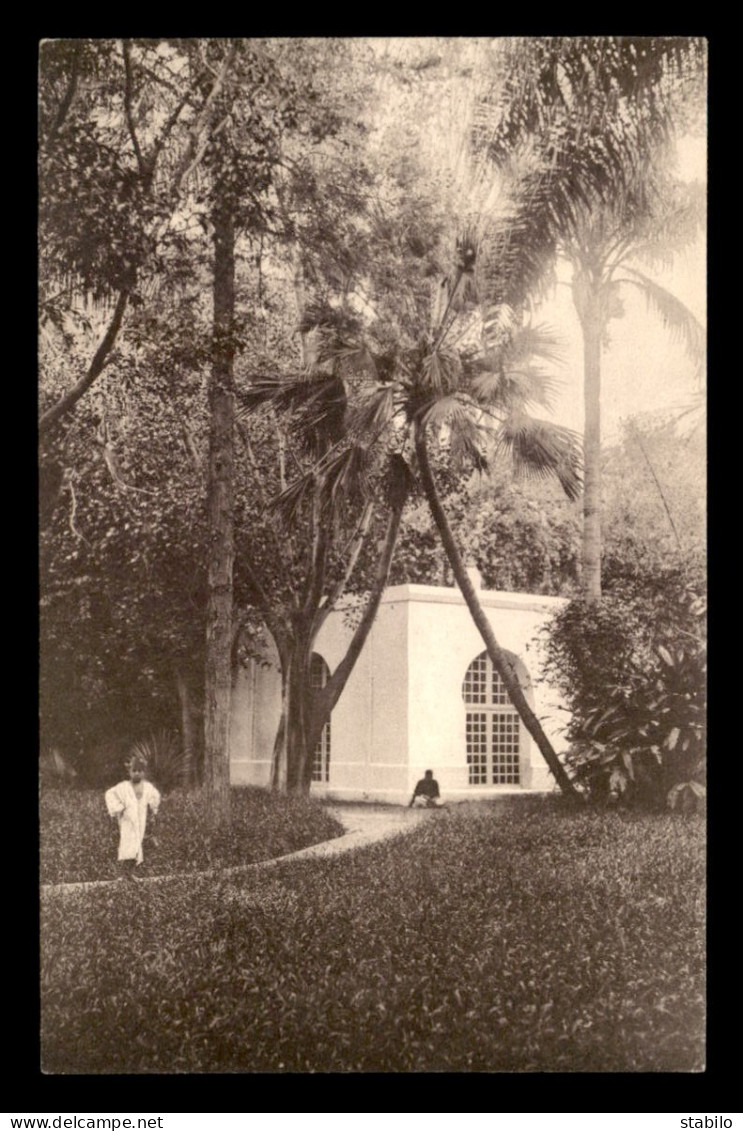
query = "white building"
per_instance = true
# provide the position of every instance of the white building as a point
(423, 695)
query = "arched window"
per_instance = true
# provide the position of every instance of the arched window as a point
(319, 674)
(492, 727)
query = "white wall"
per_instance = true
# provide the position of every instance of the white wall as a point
(369, 726)
(443, 643)
(402, 709)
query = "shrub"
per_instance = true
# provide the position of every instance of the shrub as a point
(634, 680)
(167, 760)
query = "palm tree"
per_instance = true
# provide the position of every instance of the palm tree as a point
(484, 409)
(587, 110)
(602, 248)
(580, 125)
(320, 525)
(478, 398)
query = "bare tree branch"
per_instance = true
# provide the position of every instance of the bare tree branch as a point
(358, 539)
(65, 403)
(199, 132)
(141, 163)
(166, 131)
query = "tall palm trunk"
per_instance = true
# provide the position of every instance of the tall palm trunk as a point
(587, 298)
(220, 505)
(500, 662)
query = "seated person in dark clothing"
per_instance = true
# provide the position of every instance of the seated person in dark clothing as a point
(426, 792)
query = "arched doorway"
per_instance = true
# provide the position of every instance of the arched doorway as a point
(319, 675)
(493, 730)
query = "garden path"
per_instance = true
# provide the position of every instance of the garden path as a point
(364, 825)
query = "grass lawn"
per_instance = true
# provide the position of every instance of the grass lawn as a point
(489, 938)
(79, 840)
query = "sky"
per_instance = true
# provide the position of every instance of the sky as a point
(643, 369)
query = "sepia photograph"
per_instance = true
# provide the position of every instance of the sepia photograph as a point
(372, 460)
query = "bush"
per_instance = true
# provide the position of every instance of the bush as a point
(489, 939)
(633, 673)
(168, 762)
(79, 840)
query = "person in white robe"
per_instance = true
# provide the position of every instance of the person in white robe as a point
(128, 803)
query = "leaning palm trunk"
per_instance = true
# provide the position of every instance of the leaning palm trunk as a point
(495, 652)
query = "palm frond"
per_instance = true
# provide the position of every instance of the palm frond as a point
(319, 419)
(540, 341)
(513, 389)
(468, 441)
(586, 83)
(440, 372)
(439, 411)
(588, 110)
(682, 324)
(539, 448)
(318, 314)
(260, 392)
(499, 324)
(663, 237)
(355, 359)
(345, 478)
(372, 411)
(314, 405)
(289, 504)
(466, 436)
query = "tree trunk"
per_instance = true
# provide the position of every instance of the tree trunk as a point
(497, 657)
(331, 693)
(304, 710)
(290, 768)
(279, 758)
(188, 735)
(587, 297)
(218, 672)
(298, 755)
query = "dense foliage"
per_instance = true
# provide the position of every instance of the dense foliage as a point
(654, 499)
(79, 839)
(523, 537)
(122, 546)
(632, 671)
(569, 942)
